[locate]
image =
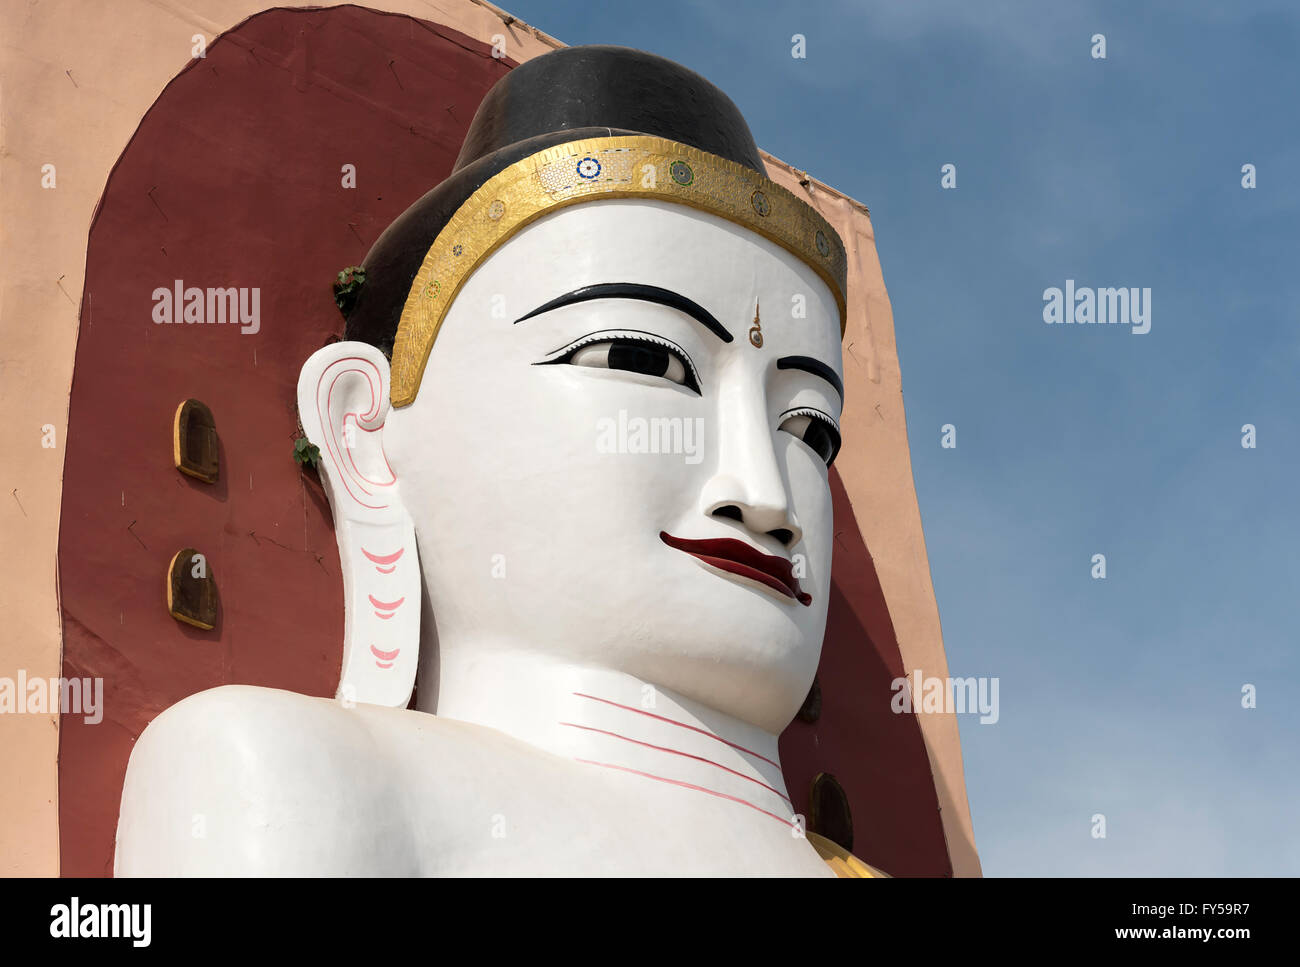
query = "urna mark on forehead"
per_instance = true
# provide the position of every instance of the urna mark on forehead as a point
(633, 260)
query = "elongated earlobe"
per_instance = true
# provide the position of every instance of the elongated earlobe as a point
(343, 402)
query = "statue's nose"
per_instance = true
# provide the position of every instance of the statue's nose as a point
(749, 485)
(770, 517)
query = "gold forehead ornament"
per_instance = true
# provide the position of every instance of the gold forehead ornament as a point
(633, 166)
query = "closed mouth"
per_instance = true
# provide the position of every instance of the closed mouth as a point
(737, 557)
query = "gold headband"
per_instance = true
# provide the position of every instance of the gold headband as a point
(636, 166)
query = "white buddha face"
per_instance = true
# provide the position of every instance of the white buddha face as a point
(546, 521)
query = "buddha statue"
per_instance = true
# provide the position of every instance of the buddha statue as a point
(576, 442)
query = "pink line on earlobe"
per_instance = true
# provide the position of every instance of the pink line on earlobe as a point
(381, 606)
(386, 570)
(382, 665)
(384, 558)
(385, 655)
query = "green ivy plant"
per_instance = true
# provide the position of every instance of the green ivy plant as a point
(305, 452)
(347, 286)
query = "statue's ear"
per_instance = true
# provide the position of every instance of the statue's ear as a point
(343, 403)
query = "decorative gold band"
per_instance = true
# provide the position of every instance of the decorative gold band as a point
(594, 169)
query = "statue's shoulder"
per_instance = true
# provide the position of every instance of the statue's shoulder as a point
(258, 729)
(244, 780)
(230, 712)
(247, 781)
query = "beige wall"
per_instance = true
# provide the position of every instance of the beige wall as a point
(76, 77)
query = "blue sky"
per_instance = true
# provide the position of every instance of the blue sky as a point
(1120, 696)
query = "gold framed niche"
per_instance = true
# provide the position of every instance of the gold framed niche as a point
(191, 596)
(195, 445)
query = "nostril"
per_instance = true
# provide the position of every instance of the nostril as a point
(732, 512)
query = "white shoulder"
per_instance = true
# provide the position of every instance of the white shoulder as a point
(247, 781)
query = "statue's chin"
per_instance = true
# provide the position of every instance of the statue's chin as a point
(750, 662)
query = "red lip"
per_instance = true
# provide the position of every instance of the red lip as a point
(737, 557)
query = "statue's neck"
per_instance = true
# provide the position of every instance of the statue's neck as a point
(612, 721)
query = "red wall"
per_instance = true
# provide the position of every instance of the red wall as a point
(233, 179)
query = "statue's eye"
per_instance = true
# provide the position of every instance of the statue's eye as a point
(633, 354)
(815, 429)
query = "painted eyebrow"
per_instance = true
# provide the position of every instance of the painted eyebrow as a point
(643, 293)
(814, 366)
